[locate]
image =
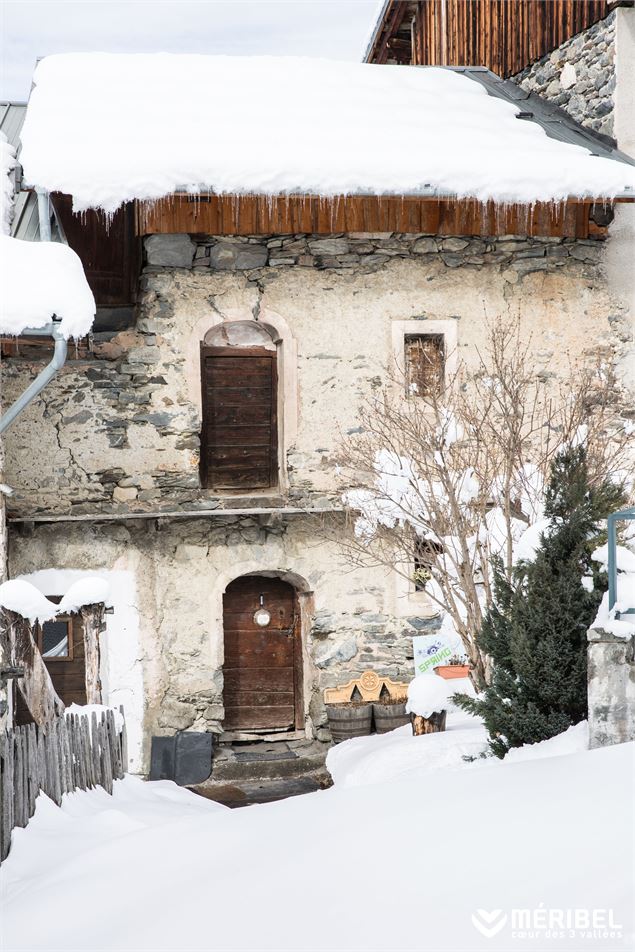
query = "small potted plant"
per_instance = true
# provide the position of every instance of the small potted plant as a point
(390, 712)
(457, 667)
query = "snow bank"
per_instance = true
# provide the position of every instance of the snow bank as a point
(397, 755)
(7, 164)
(108, 128)
(40, 279)
(22, 597)
(156, 868)
(572, 741)
(384, 758)
(87, 710)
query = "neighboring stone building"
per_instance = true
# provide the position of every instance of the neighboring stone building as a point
(580, 76)
(119, 469)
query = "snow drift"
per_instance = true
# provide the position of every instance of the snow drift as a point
(401, 865)
(107, 128)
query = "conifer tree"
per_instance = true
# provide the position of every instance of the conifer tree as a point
(535, 631)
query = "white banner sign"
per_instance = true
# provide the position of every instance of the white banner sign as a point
(432, 650)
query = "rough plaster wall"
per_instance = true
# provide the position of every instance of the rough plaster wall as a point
(181, 570)
(119, 431)
(579, 76)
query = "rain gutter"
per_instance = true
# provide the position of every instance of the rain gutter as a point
(43, 378)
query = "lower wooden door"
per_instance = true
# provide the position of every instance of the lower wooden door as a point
(263, 663)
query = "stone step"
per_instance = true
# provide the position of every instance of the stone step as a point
(262, 761)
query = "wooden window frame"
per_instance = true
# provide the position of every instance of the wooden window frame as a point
(420, 560)
(412, 338)
(274, 463)
(412, 327)
(69, 635)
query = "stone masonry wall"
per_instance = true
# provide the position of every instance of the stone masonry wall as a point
(579, 76)
(119, 430)
(181, 569)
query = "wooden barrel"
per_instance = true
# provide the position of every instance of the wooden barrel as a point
(349, 720)
(389, 716)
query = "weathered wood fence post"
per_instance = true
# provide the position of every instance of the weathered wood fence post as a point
(68, 753)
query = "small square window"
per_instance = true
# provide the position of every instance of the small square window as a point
(424, 363)
(55, 639)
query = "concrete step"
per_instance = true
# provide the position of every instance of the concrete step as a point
(267, 761)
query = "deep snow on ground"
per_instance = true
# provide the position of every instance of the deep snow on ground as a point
(402, 864)
(399, 755)
(176, 120)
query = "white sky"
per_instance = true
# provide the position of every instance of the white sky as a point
(336, 29)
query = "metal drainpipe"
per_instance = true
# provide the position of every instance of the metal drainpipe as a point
(44, 214)
(61, 348)
(43, 378)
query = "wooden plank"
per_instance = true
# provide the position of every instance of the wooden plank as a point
(123, 738)
(92, 617)
(106, 758)
(243, 414)
(32, 767)
(240, 396)
(20, 816)
(241, 652)
(6, 796)
(96, 758)
(405, 214)
(251, 679)
(258, 717)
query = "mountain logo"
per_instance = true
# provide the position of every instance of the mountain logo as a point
(489, 924)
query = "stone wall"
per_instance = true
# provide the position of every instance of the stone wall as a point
(181, 568)
(119, 430)
(579, 76)
(611, 689)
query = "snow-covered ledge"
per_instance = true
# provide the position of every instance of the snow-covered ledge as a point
(611, 687)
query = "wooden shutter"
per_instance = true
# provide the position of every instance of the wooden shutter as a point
(425, 363)
(239, 440)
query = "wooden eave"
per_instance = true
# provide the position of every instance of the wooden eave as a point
(210, 214)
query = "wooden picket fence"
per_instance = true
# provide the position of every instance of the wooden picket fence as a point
(69, 753)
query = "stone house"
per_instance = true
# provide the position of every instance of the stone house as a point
(189, 453)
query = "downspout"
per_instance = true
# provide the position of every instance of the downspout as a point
(53, 330)
(43, 378)
(43, 214)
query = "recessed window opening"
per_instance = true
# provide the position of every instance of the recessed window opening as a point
(424, 359)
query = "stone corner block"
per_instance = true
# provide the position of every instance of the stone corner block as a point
(170, 251)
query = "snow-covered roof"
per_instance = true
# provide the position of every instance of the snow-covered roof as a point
(108, 128)
(40, 280)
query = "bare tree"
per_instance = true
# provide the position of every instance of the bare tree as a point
(456, 469)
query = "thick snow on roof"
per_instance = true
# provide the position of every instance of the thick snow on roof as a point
(108, 128)
(7, 164)
(39, 279)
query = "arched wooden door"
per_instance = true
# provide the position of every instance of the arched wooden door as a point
(263, 663)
